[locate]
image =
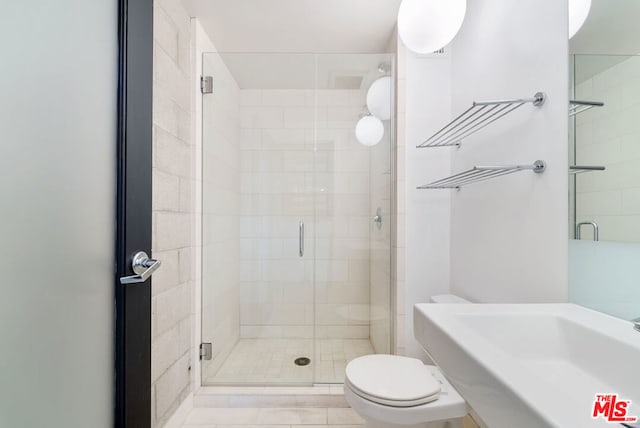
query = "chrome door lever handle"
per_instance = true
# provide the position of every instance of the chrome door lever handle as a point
(143, 266)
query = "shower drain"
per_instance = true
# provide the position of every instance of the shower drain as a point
(302, 361)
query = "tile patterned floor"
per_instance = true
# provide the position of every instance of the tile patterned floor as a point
(271, 361)
(292, 418)
(273, 418)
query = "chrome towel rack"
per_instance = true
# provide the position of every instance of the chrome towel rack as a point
(477, 117)
(579, 169)
(577, 107)
(482, 173)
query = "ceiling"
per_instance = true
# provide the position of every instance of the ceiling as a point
(362, 26)
(367, 26)
(314, 26)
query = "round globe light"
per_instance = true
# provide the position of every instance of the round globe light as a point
(578, 12)
(369, 130)
(426, 26)
(379, 98)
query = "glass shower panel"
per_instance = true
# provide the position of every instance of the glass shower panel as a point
(352, 186)
(258, 222)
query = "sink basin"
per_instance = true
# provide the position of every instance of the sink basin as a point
(533, 365)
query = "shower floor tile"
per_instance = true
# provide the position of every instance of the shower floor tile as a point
(271, 361)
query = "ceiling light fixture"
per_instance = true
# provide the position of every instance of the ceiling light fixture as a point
(379, 98)
(369, 130)
(426, 26)
(578, 13)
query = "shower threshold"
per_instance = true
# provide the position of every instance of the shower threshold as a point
(321, 395)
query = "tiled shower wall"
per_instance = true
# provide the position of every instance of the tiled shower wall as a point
(279, 171)
(609, 136)
(173, 209)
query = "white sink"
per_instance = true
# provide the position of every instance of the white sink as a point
(532, 365)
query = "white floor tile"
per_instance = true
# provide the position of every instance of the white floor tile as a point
(252, 426)
(271, 361)
(199, 426)
(273, 418)
(343, 417)
(293, 416)
(216, 416)
(326, 426)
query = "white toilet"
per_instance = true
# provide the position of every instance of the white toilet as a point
(390, 391)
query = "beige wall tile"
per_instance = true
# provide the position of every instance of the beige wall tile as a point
(173, 231)
(172, 387)
(168, 276)
(173, 207)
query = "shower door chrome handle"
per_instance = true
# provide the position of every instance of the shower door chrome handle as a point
(596, 230)
(301, 238)
(143, 266)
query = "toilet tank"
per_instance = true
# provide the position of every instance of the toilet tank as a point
(447, 298)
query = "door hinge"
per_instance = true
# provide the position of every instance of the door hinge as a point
(206, 84)
(205, 351)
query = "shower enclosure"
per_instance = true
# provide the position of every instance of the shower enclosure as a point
(296, 224)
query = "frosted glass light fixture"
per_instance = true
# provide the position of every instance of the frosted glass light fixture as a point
(426, 26)
(379, 98)
(578, 12)
(369, 130)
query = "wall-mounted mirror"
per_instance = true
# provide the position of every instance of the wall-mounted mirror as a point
(604, 147)
(604, 160)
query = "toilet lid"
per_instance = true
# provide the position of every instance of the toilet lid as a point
(392, 380)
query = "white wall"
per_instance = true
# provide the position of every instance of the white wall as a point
(428, 95)
(509, 235)
(506, 239)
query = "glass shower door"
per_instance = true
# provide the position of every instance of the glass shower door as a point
(258, 220)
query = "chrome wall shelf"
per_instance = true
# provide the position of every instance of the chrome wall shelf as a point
(579, 169)
(482, 173)
(577, 107)
(475, 118)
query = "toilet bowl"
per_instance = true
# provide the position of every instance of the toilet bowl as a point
(390, 391)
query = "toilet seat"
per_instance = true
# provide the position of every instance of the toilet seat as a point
(392, 380)
(449, 405)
